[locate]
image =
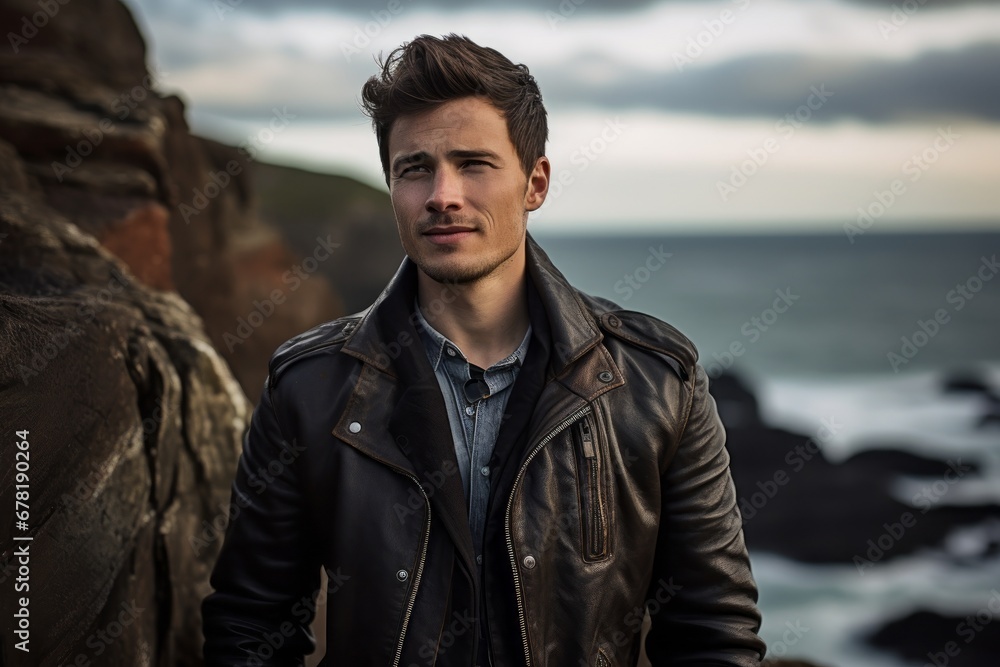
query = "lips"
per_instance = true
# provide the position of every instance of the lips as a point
(449, 234)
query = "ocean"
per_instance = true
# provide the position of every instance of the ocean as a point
(865, 333)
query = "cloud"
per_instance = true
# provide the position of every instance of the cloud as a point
(963, 82)
(365, 7)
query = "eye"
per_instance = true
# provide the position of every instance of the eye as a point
(412, 169)
(475, 163)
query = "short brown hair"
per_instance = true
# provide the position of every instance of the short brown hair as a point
(429, 71)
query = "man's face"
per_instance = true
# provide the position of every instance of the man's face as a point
(459, 193)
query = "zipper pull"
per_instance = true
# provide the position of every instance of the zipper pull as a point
(588, 439)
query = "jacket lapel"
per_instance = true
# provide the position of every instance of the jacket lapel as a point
(416, 419)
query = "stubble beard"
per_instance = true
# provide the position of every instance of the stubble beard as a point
(459, 275)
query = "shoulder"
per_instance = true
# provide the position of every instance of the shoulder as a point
(644, 331)
(321, 339)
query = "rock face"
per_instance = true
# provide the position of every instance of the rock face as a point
(116, 158)
(134, 275)
(133, 425)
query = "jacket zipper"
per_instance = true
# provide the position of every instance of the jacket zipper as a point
(510, 540)
(418, 573)
(595, 542)
(420, 564)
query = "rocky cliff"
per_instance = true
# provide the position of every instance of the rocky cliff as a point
(139, 289)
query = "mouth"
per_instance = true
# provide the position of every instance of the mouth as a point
(449, 234)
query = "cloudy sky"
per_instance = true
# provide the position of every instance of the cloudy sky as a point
(734, 115)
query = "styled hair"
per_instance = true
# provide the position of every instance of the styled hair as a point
(428, 71)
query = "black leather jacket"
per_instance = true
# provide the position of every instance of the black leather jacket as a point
(620, 501)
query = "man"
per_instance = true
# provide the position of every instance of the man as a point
(493, 468)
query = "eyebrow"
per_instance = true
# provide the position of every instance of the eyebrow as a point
(421, 156)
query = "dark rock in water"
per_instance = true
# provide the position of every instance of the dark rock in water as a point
(991, 416)
(737, 404)
(973, 383)
(967, 382)
(133, 425)
(798, 504)
(970, 640)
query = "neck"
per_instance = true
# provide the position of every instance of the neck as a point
(487, 318)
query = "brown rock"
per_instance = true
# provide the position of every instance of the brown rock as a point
(117, 159)
(133, 425)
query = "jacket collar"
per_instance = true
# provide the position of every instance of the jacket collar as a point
(379, 339)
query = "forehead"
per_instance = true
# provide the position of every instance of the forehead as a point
(468, 122)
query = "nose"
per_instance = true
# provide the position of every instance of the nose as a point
(446, 191)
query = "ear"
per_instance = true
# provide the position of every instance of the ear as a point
(538, 184)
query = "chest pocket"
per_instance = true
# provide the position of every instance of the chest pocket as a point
(592, 472)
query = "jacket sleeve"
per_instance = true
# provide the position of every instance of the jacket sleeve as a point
(712, 618)
(266, 578)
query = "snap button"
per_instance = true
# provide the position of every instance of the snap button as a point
(485, 471)
(529, 562)
(605, 376)
(614, 321)
(450, 351)
(469, 410)
(402, 575)
(354, 427)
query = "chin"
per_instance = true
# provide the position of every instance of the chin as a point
(455, 273)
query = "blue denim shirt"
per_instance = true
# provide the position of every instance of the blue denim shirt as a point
(474, 426)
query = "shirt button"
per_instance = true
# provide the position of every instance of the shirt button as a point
(479, 559)
(469, 410)
(485, 470)
(450, 351)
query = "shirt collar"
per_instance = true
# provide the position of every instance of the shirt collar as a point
(437, 344)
